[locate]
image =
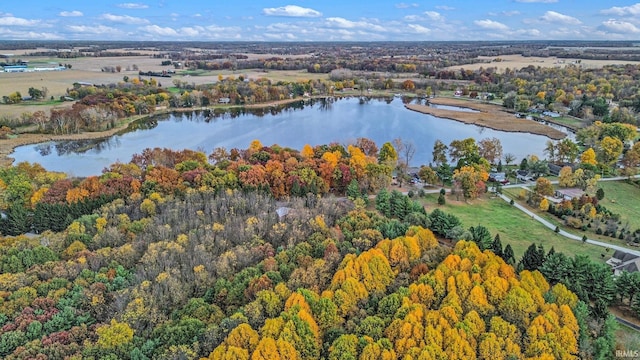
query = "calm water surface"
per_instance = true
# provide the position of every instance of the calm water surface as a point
(318, 122)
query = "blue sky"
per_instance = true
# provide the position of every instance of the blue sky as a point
(327, 20)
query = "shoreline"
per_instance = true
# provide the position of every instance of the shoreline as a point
(488, 115)
(7, 146)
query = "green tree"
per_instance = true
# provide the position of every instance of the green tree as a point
(444, 172)
(481, 236)
(508, 256)
(383, 202)
(439, 154)
(496, 246)
(388, 155)
(353, 190)
(441, 198)
(533, 257)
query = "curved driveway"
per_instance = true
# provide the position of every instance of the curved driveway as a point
(568, 234)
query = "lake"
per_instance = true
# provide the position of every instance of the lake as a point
(314, 122)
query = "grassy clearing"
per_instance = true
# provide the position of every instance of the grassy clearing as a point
(622, 198)
(569, 122)
(514, 227)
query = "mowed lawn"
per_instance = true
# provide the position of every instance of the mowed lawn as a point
(622, 198)
(514, 226)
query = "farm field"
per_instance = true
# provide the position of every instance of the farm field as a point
(500, 218)
(519, 61)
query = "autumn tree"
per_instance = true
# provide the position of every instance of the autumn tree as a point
(490, 149)
(471, 181)
(565, 177)
(610, 148)
(439, 154)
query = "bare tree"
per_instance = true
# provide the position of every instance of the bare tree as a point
(509, 158)
(405, 149)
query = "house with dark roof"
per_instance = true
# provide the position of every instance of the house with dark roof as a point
(623, 261)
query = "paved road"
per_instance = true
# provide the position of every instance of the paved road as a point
(552, 226)
(565, 233)
(627, 323)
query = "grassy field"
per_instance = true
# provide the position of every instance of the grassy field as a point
(514, 227)
(568, 121)
(519, 61)
(622, 198)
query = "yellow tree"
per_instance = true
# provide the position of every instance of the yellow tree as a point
(565, 177)
(115, 334)
(588, 157)
(244, 337)
(610, 149)
(307, 151)
(544, 204)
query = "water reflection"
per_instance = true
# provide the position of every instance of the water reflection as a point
(310, 121)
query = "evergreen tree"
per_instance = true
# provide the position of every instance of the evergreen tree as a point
(508, 256)
(481, 236)
(533, 258)
(16, 221)
(441, 198)
(353, 190)
(383, 202)
(399, 204)
(496, 246)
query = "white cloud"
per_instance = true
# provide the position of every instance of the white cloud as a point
(419, 29)
(491, 25)
(27, 35)
(192, 32)
(99, 29)
(124, 19)
(158, 30)
(74, 13)
(280, 36)
(291, 11)
(14, 21)
(133, 6)
(632, 10)
(538, 1)
(434, 15)
(445, 7)
(406, 6)
(529, 32)
(506, 13)
(555, 17)
(348, 24)
(621, 27)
